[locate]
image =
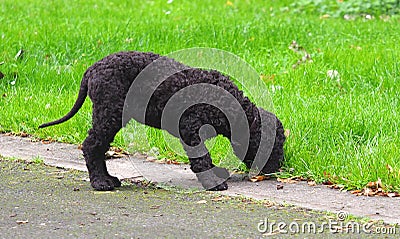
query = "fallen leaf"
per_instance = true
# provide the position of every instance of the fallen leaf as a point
(257, 178)
(229, 3)
(150, 159)
(161, 161)
(201, 202)
(22, 222)
(392, 195)
(169, 161)
(286, 133)
(379, 183)
(375, 185)
(45, 141)
(110, 153)
(311, 183)
(286, 180)
(268, 78)
(19, 54)
(325, 16)
(358, 48)
(220, 198)
(268, 203)
(279, 186)
(355, 192)
(115, 154)
(327, 183)
(306, 57)
(336, 186)
(389, 168)
(104, 192)
(369, 192)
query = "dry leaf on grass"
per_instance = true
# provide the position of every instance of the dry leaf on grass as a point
(229, 3)
(268, 78)
(287, 133)
(389, 168)
(306, 57)
(375, 185)
(374, 188)
(19, 55)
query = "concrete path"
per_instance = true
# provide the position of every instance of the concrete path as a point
(300, 194)
(39, 201)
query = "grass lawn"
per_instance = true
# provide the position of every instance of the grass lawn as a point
(343, 129)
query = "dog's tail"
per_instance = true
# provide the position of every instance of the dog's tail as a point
(78, 104)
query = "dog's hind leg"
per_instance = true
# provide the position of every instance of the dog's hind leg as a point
(106, 124)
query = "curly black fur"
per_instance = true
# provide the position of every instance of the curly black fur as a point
(107, 83)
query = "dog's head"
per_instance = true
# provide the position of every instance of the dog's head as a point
(267, 141)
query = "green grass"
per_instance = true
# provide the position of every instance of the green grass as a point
(345, 132)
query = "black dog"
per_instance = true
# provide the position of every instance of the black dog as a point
(108, 83)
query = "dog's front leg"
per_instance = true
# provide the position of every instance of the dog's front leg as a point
(211, 177)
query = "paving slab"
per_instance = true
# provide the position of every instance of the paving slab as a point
(299, 194)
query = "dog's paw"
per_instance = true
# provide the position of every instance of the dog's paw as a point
(116, 181)
(223, 186)
(214, 179)
(105, 183)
